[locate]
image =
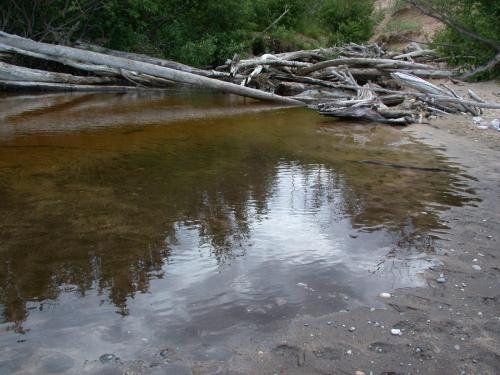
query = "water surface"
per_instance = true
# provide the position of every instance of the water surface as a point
(134, 223)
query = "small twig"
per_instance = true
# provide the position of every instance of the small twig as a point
(275, 21)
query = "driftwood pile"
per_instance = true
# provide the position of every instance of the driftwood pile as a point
(354, 81)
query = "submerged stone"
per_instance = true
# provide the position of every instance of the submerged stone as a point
(105, 358)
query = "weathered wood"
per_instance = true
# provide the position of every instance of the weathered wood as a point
(271, 61)
(153, 60)
(415, 54)
(10, 72)
(141, 67)
(436, 93)
(365, 112)
(490, 65)
(368, 62)
(101, 70)
(434, 13)
(475, 97)
(60, 87)
(332, 85)
(417, 83)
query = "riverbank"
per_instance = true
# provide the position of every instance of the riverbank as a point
(450, 327)
(291, 286)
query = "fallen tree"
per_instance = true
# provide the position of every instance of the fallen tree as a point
(89, 57)
(361, 82)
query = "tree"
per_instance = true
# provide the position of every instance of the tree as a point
(472, 30)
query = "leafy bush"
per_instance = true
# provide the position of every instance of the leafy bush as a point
(348, 20)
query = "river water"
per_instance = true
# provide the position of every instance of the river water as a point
(148, 230)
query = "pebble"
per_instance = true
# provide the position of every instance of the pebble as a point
(329, 323)
(476, 267)
(477, 120)
(480, 313)
(441, 280)
(495, 125)
(396, 332)
(349, 352)
(457, 347)
(359, 373)
(372, 309)
(385, 295)
(418, 350)
(352, 329)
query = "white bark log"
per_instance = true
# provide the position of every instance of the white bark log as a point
(140, 67)
(368, 62)
(59, 87)
(10, 72)
(153, 60)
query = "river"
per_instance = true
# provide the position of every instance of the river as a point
(145, 231)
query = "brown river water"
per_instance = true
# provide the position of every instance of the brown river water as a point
(154, 228)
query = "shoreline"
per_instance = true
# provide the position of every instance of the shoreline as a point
(447, 328)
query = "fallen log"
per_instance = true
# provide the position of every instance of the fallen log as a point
(332, 86)
(10, 72)
(361, 112)
(153, 60)
(373, 73)
(141, 67)
(415, 54)
(368, 62)
(100, 70)
(26, 86)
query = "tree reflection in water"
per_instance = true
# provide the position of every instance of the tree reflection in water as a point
(103, 209)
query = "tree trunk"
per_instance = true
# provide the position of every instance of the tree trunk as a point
(140, 67)
(153, 60)
(10, 72)
(59, 87)
(368, 62)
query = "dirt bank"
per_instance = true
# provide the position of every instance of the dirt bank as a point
(402, 23)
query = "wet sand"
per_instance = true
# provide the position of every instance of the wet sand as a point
(446, 328)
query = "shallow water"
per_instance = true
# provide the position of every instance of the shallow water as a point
(134, 223)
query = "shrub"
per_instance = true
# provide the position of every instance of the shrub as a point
(348, 20)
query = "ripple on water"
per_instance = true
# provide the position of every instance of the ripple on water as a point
(122, 238)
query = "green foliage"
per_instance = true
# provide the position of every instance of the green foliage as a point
(197, 32)
(479, 16)
(348, 20)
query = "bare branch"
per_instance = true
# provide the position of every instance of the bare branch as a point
(434, 13)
